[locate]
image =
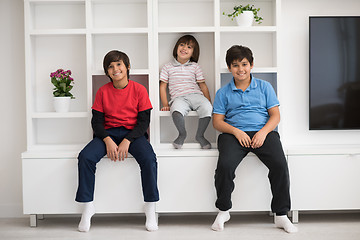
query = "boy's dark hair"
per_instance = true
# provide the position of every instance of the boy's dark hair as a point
(238, 52)
(116, 56)
(188, 39)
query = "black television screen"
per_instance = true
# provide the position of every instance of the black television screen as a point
(334, 73)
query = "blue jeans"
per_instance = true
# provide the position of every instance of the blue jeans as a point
(95, 150)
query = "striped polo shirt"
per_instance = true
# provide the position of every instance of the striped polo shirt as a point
(182, 78)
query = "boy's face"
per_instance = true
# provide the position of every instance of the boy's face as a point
(241, 70)
(117, 71)
(184, 52)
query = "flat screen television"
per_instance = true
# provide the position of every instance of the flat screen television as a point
(334, 73)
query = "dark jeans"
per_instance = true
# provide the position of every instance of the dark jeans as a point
(231, 153)
(95, 150)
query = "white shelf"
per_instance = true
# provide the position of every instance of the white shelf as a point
(111, 31)
(45, 32)
(167, 114)
(249, 29)
(56, 2)
(61, 115)
(185, 29)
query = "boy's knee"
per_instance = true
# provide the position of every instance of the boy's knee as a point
(205, 110)
(226, 142)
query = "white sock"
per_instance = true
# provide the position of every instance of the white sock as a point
(88, 212)
(285, 223)
(221, 218)
(151, 219)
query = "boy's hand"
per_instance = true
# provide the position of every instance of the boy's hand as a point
(111, 149)
(243, 138)
(123, 149)
(258, 139)
(165, 109)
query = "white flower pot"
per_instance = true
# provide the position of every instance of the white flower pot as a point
(245, 19)
(62, 104)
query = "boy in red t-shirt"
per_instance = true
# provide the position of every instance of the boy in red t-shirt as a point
(121, 117)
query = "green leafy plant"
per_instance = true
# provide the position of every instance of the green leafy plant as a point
(240, 9)
(62, 83)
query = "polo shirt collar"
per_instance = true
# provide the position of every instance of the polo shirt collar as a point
(253, 83)
(176, 63)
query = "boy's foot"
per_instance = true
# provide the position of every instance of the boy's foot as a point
(285, 223)
(205, 144)
(151, 221)
(179, 142)
(88, 212)
(221, 218)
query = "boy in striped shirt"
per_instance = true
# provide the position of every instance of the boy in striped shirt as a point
(187, 89)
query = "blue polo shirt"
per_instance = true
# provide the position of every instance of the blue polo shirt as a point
(246, 110)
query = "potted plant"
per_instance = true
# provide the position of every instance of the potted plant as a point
(245, 15)
(62, 81)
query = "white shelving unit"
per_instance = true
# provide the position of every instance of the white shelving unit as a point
(78, 38)
(86, 30)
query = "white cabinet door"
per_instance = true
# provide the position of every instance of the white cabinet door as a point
(187, 185)
(49, 186)
(325, 182)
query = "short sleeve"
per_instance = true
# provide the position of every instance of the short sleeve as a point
(220, 105)
(271, 98)
(199, 76)
(98, 103)
(144, 100)
(164, 75)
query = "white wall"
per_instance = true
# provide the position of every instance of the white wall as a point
(293, 89)
(294, 62)
(12, 99)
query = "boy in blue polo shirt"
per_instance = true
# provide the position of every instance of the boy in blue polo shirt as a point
(246, 111)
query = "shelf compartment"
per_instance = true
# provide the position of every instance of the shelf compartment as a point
(50, 53)
(63, 131)
(169, 132)
(186, 13)
(206, 42)
(262, 44)
(270, 77)
(119, 14)
(267, 11)
(134, 45)
(50, 15)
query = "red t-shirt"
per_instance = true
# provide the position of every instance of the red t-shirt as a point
(121, 106)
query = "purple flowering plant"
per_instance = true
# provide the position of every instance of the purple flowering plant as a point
(62, 83)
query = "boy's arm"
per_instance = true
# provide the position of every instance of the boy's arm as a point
(205, 90)
(97, 123)
(220, 125)
(274, 119)
(142, 124)
(163, 96)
